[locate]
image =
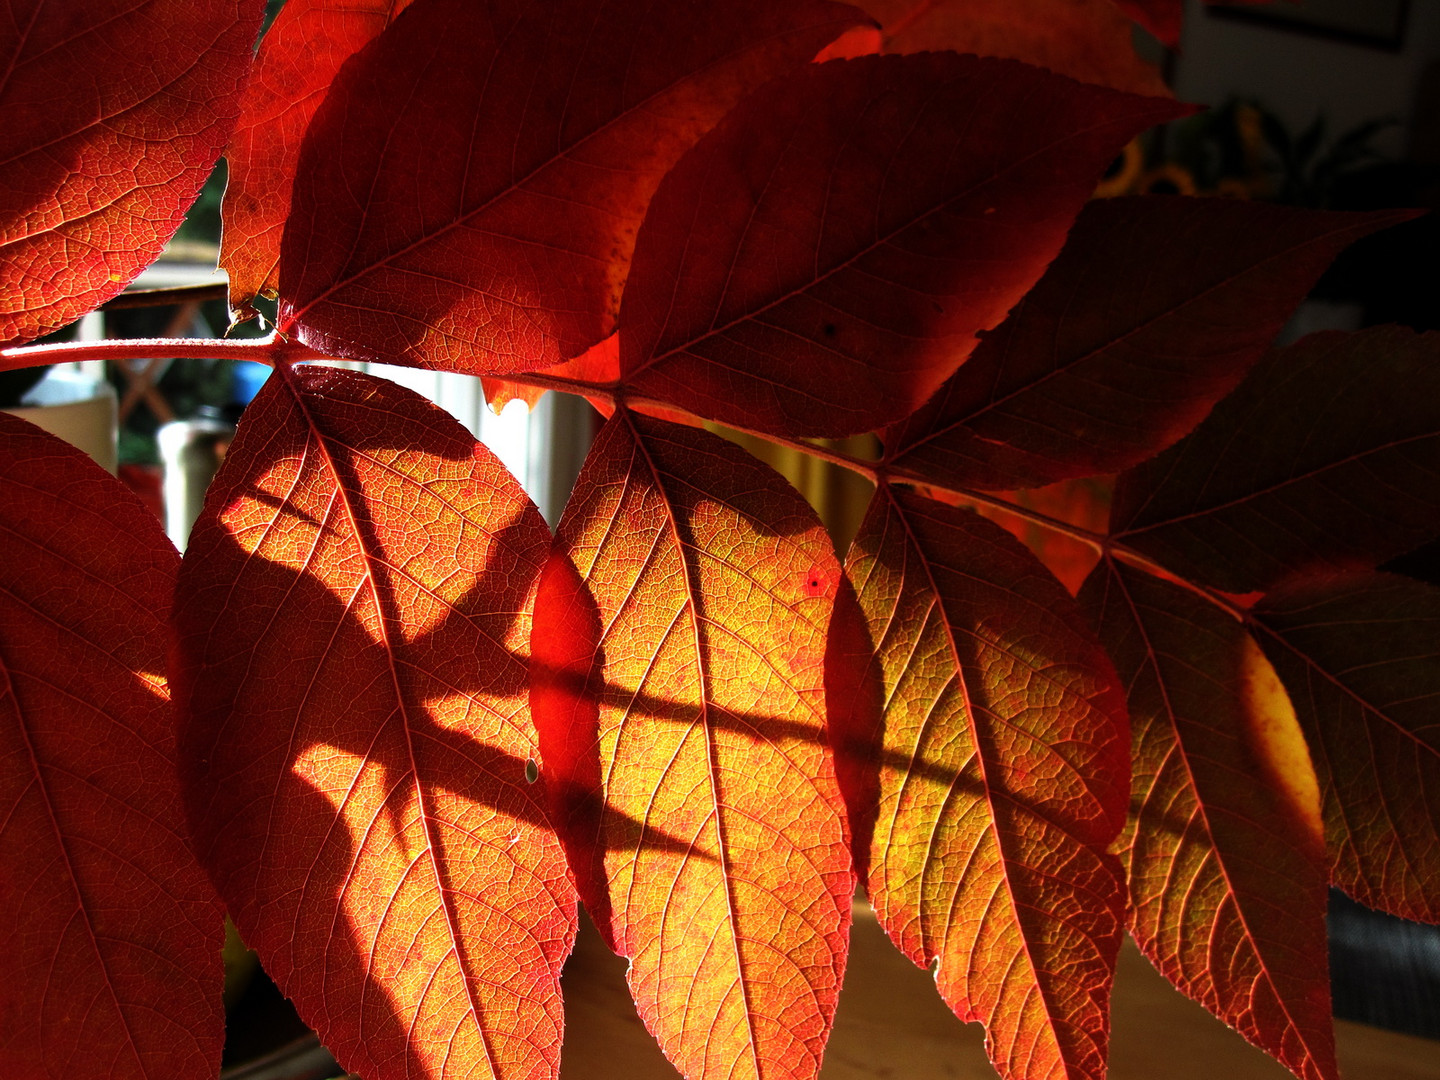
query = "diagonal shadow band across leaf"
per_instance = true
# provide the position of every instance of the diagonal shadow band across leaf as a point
(354, 737)
(393, 751)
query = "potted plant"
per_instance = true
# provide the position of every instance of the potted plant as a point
(395, 728)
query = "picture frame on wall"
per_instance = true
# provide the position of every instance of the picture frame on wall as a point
(1377, 23)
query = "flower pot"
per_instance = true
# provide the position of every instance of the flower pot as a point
(77, 408)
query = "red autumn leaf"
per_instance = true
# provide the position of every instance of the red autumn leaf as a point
(351, 619)
(822, 260)
(106, 911)
(544, 128)
(1224, 849)
(1153, 311)
(1002, 780)
(302, 51)
(1087, 40)
(1358, 655)
(115, 112)
(677, 687)
(1326, 458)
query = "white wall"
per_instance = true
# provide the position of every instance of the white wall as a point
(1297, 75)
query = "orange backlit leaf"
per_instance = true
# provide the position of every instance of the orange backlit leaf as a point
(544, 128)
(677, 687)
(1153, 311)
(106, 911)
(1001, 754)
(350, 673)
(1087, 40)
(302, 51)
(1326, 458)
(1224, 849)
(115, 112)
(1360, 655)
(822, 260)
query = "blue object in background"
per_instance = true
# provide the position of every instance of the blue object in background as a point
(249, 376)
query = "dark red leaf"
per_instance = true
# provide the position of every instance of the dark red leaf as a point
(1327, 457)
(1087, 40)
(822, 260)
(677, 687)
(1153, 311)
(1002, 764)
(1360, 655)
(543, 129)
(1224, 849)
(350, 674)
(106, 913)
(302, 51)
(115, 111)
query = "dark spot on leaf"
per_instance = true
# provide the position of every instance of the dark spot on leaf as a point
(829, 329)
(817, 583)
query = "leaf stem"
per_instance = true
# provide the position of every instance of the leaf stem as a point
(1104, 545)
(270, 350)
(275, 350)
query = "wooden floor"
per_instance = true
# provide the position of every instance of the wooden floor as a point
(892, 1026)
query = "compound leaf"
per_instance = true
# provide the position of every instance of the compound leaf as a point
(823, 259)
(1002, 762)
(543, 129)
(106, 910)
(1224, 849)
(350, 673)
(1358, 655)
(1326, 458)
(677, 687)
(115, 112)
(1153, 311)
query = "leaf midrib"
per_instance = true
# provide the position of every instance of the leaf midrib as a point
(291, 382)
(722, 854)
(1153, 660)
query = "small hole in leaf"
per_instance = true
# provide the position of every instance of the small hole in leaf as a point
(829, 329)
(532, 771)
